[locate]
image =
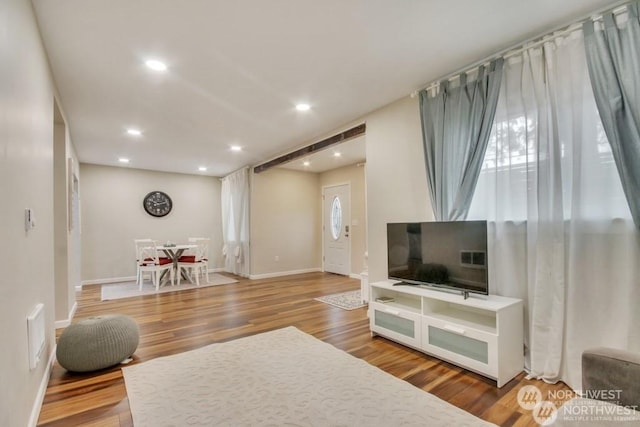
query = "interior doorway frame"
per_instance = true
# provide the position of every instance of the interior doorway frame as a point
(345, 222)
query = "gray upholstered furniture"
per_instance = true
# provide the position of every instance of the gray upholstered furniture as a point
(97, 342)
(611, 390)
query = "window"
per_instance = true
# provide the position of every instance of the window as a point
(513, 160)
(336, 218)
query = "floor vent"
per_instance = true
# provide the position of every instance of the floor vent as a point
(35, 333)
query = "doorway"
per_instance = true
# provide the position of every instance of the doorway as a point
(336, 220)
(66, 217)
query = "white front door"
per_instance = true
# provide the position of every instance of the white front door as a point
(336, 222)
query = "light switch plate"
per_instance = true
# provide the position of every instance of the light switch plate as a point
(29, 220)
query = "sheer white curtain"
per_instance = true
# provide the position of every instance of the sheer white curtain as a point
(561, 233)
(235, 222)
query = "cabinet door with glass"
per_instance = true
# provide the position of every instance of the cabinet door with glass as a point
(395, 323)
(459, 344)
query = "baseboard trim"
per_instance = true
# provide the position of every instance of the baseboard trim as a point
(125, 279)
(42, 390)
(64, 323)
(108, 280)
(283, 273)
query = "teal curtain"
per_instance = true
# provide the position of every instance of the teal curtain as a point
(613, 58)
(456, 124)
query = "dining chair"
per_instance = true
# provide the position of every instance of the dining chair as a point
(205, 256)
(195, 262)
(149, 261)
(138, 272)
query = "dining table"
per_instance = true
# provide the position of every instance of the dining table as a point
(174, 252)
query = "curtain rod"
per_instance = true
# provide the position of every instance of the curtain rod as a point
(520, 47)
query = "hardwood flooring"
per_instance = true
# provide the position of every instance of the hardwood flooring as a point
(181, 321)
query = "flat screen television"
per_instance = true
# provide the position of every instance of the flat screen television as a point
(448, 255)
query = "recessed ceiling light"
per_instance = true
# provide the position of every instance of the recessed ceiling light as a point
(202, 169)
(303, 107)
(123, 160)
(337, 154)
(306, 163)
(156, 65)
(134, 132)
(236, 148)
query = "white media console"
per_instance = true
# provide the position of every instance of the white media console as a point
(483, 333)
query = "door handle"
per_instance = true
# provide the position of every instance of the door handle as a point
(454, 329)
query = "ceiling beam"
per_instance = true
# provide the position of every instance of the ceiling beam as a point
(310, 149)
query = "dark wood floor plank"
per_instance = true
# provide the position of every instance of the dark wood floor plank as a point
(175, 322)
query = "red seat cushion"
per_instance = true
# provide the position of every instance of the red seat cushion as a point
(187, 258)
(161, 261)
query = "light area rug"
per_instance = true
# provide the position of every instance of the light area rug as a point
(345, 300)
(130, 289)
(277, 378)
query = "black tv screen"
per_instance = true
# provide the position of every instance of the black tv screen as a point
(450, 255)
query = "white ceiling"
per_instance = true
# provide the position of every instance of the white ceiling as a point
(237, 68)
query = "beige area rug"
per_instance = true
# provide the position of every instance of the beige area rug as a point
(130, 289)
(277, 378)
(345, 300)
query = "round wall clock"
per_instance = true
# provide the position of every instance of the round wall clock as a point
(157, 203)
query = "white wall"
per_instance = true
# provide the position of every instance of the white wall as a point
(286, 219)
(355, 176)
(285, 222)
(396, 181)
(26, 180)
(397, 188)
(113, 216)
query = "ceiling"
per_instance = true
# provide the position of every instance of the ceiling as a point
(236, 69)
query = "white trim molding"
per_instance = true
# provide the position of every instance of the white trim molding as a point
(37, 403)
(211, 270)
(355, 276)
(66, 322)
(108, 280)
(283, 273)
(124, 279)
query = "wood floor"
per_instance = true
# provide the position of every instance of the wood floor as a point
(180, 321)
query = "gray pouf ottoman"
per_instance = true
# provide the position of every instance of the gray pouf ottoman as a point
(97, 342)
